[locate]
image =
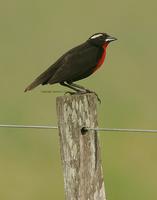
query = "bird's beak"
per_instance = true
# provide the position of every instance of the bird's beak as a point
(110, 39)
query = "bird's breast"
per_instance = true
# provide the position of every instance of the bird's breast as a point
(102, 58)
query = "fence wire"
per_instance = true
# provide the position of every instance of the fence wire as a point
(27, 126)
(84, 128)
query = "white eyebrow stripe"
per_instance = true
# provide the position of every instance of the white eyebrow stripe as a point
(97, 35)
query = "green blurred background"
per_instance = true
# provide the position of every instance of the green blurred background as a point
(33, 34)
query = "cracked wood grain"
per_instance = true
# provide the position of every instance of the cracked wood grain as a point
(80, 153)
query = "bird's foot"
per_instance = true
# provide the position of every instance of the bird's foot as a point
(83, 92)
(70, 92)
(90, 91)
(76, 92)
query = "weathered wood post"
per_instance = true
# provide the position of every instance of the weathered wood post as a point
(80, 153)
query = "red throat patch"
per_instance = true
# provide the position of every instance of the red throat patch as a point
(101, 60)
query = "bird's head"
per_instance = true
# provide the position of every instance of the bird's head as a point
(100, 39)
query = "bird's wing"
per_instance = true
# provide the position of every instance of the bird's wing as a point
(72, 66)
(78, 63)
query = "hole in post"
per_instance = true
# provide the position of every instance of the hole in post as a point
(84, 130)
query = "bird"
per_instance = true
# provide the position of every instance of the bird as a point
(76, 64)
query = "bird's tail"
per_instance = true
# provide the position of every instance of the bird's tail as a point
(42, 78)
(34, 84)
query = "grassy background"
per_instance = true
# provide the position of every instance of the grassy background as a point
(33, 35)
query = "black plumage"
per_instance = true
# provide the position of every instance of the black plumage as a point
(76, 64)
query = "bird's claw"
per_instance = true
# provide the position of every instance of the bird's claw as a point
(69, 92)
(96, 96)
(90, 91)
(84, 92)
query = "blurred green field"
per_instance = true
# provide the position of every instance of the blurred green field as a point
(33, 34)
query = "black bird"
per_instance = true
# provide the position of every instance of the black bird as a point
(78, 63)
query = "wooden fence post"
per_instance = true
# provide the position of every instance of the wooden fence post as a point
(80, 153)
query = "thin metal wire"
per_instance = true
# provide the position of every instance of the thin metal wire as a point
(85, 128)
(27, 126)
(122, 130)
